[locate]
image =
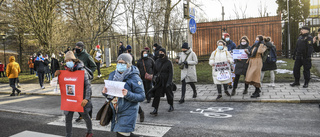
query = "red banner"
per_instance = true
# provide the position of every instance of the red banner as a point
(71, 88)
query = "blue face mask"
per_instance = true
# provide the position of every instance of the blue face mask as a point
(220, 47)
(70, 64)
(145, 55)
(227, 39)
(121, 67)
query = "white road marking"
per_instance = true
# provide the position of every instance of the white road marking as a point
(19, 100)
(147, 129)
(33, 134)
(214, 112)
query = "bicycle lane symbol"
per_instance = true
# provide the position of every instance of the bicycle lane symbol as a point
(214, 112)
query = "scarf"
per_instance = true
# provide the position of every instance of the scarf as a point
(257, 45)
(120, 77)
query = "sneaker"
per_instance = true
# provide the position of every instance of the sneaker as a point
(18, 92)
(271, 85)
(43, 87)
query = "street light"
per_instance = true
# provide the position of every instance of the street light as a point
(4, 48)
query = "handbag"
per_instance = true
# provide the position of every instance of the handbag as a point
(147, 76)
(182, 64)
(105, 114)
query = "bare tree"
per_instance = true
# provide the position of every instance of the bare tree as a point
(262, 9)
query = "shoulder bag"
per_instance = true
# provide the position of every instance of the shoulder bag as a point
(147, 76)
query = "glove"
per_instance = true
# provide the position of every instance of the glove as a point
(57, 73)
(294, 57)
(185, 64)
(84, 102)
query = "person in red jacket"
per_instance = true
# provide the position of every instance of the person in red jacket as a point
(2, 69)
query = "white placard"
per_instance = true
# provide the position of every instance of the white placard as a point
(114, 87)
(239, 54)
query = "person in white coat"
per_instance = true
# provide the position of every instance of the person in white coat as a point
(188, 61)
(221, 75)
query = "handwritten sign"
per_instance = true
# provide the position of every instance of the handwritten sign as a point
(222, 69)
(239, 54)
(114, 87)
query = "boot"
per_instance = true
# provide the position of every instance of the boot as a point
(181, 101)
(171, 108)
(256, 93)
(295, 83)
(226, 91)
(12, 94)
(78, 119)
(142, 116)
(154, 112)
(245, 91)
(18, 92)
(306, 84)
(218, 97)
(233, 92)
(194, 94)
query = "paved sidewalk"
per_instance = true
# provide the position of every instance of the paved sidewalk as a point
(282, 92)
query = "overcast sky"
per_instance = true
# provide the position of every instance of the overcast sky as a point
(212, 8)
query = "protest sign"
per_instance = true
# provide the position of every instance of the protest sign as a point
(71, 88)
(239, 54)
(223, 71)
(114, 88)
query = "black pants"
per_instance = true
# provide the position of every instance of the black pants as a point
(98, 68)
(12, 82)
(31, 71)
(183, 88)
(41, 78)
(147, 86)
(2, 72)
(225, 86)
(236, 80)
(306, 63)
(169, 94)
(140, 110)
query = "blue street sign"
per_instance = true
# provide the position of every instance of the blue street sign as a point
(192, 26)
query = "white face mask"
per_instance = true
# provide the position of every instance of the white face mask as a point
(154, 48)
(243, 43)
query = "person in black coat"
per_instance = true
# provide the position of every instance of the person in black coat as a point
(54, 64)
(129, 49)
(146, 64)
(241, 66)
(122, 49)
(156, 49)
(269, 66)
(163, 74)
(40, 64)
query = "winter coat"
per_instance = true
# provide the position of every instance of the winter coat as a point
(95, 54)
(128, 106)
(133, 60)
(156, 53)
(13, 68)
(47, 68)
(220, 56)
(231, 45)
(1, 67)
(190, 73)
(87, 60)
(31, 65)
(122, 49)
(149, 65)
(269, 66)
(255, 64)
(165, 77)
(39, 65)
(54, 65)
(241, 66)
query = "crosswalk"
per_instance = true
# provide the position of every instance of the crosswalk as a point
(33, 134)
(18, 99)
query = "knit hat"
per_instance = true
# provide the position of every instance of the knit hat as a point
(129, 47)
(163, 50)
(69, 56)
(146, 48)
(155, 45)
(224, 43)
(98, 46)
(226, 35)
(80, 44)
(306, 28)
(185, 46)
(125, 57)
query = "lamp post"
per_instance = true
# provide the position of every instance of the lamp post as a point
(4, 49)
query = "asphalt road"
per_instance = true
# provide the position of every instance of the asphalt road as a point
(33, 113)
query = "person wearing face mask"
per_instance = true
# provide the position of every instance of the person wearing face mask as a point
(129, 49)
(229, 43)
(188, 72)
(146, 65)
(156, 49)
(162, 81)
(97, 59)
(253, 75)
(149, 53)
(268, 65)
(82, 55)
(125, 109)
(40, 64)
(241, 66)
(122, 48)
(302, 56)
(221, 55)
(73, 64)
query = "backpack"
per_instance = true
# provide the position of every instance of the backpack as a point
(272, 56)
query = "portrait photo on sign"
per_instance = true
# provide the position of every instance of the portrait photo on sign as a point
(70, 90)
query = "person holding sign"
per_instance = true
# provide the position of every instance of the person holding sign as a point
(73, 64)
(125, 109)
(220, 61)
(255, 65)
(241, 66)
